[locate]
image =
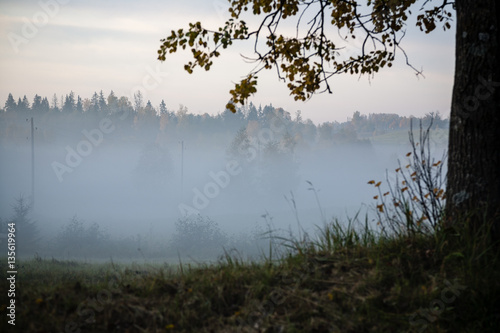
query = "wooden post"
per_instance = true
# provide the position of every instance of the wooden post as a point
(32, 165)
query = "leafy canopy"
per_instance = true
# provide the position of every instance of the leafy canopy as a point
(307, 59)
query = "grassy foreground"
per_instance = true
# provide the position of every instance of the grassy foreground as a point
(343, 281)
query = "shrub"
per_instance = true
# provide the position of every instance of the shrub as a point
(198, 236)
(76, 239)
(27, 233)
(414, 202)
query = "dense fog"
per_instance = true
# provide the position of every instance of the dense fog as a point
(132, 181)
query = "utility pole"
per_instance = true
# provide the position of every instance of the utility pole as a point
(182, 168)
(32, 165)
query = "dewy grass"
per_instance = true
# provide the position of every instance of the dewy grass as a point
(345, 280)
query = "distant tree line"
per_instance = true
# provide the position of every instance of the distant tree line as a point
(137, 119)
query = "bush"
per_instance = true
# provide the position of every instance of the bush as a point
(76, 239)
(198, 236)
(414, 202)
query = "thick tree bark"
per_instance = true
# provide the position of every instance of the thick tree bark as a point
(473, 188)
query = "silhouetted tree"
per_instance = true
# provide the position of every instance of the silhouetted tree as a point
(37, 103)
(69, 103)
(94, 104)
(163, 107)
(240, 148)
(79, 105)
(138, 101)
(253, 114)
(112, 101)
(23, 105)
(103, 107)
(55, 103)
(10, 104)
(27, 234)
(45, 107)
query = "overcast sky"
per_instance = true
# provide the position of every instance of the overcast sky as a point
(55, 46)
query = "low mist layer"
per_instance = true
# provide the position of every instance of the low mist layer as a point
(116, 180)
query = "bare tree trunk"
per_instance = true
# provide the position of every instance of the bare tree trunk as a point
(473, 188)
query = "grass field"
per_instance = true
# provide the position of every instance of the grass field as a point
(345, 279)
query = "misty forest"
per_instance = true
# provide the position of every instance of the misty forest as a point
(122, 215)
(122, 179)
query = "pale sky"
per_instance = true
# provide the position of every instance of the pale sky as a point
(58, 46)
